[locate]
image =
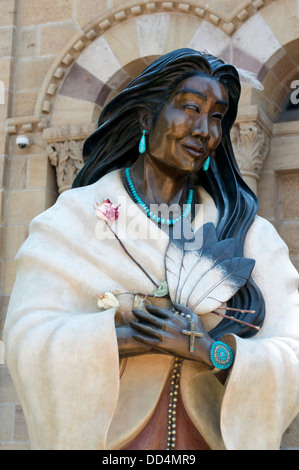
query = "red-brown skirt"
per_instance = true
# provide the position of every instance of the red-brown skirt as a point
(154, 435)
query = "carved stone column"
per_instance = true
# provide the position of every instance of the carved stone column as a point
(251, 142)
(64, 149)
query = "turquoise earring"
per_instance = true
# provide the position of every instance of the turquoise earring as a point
(206, 164)
(142, 143)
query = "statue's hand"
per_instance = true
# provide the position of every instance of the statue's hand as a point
(128, 345)
(171, 332)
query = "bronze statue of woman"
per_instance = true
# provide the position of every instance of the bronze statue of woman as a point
(100, 357)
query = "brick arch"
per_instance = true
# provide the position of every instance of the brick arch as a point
(131, 35)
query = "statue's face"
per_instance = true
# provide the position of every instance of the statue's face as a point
(188, 129)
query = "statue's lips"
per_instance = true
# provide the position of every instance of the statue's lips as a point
(195, 151)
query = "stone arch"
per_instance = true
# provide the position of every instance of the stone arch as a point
(146, 37)
(279, 73)
(148, 29)
(270, 49)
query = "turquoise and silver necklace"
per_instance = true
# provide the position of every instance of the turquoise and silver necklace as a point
(147, 210)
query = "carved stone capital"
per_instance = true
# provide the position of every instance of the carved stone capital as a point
(251, 137)
(251, 146)
(67, 158)
(64, 149)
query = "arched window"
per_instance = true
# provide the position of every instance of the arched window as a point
(290, 108)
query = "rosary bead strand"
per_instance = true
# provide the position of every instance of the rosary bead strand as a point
(173, 399)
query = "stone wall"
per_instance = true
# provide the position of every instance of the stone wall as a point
(62, 60)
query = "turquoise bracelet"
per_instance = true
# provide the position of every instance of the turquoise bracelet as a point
(221, 355)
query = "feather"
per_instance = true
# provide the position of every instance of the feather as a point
(184, 255)
(202, 272)
(190, 260)
(203, 265)
(222, 250)
(206, 260)
(173, 263)
(179, 236)
(208, 234)
(250, 78)
(246, 76)
(219, 284)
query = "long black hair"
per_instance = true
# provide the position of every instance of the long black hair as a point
(114, 145)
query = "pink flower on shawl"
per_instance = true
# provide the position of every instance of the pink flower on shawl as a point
(107, 211)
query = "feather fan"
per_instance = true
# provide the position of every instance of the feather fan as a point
(206, 275)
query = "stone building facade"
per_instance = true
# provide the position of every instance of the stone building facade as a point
(62, 60)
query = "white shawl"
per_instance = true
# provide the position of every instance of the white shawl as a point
(61, 349)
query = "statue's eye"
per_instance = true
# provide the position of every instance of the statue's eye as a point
(191, 107)
(218, 116)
